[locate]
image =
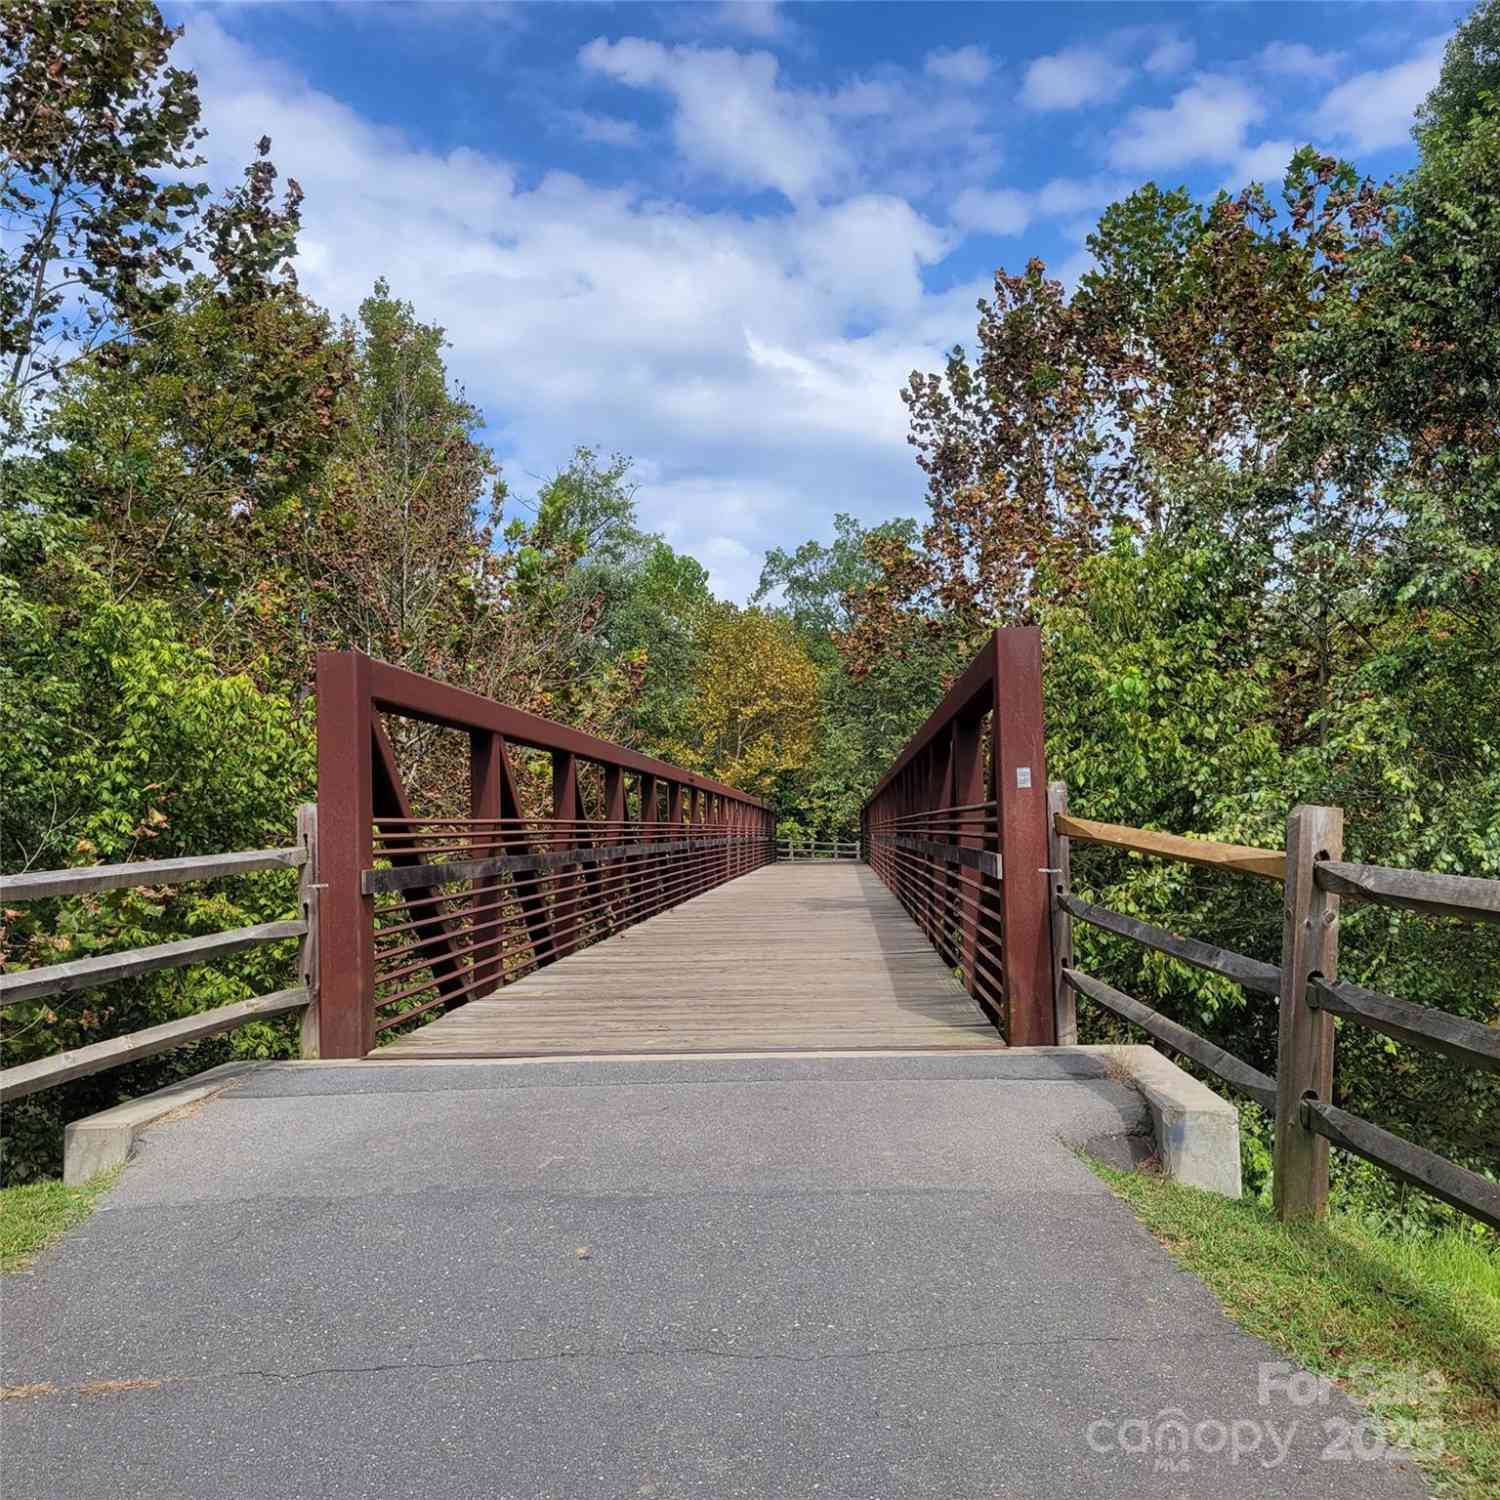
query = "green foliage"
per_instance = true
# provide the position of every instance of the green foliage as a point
(1471, 69)
(863, 720)
(131, 744)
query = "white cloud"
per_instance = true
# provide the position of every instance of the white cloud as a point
(1005, 211)
(737, 118)
(967, 67)
(1265, 163)
(1373, 110)
(1206, 121)
(603, 130)
(1170, 55)
(1298, 60)
(762, 19)
(733, 118)
(1073, 78)
(994, 211)
(751, 362)
(868, 251)
(1066, 197)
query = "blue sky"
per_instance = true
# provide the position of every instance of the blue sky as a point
(719, 237)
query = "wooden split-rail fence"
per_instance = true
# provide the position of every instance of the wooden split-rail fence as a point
(568, 840)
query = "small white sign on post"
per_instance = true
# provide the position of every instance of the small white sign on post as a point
(1023, 777)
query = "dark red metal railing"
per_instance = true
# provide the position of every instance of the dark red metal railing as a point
(424, 911)
(957, 828)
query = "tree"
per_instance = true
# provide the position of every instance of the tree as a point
(819, 584)
(191, 455)
(752, 718)
(1471, 69)
(96, 129)
(1022, 463)
(396, 557)
(831, 595)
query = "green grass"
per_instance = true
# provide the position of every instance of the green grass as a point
(1375, 1312)
(35, 1214)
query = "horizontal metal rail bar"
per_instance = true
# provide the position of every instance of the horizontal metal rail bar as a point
(1238, 859)
(1424, 1026)
(559, 878)
(1259, 1086)
(415, 877)
(911, 868)
(1251, 973)
(942, 911)
(983, 860)
(41, 885)
(1477, 1196)
(934, 812)
(1465, 896)
(89, 973)
(49, 1072)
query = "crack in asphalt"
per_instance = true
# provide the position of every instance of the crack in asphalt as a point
(39, 1389)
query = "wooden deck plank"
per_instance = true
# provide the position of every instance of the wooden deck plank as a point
(791, 958)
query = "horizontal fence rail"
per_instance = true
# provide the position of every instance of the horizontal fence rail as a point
(43, 885)
(90, 973)
(957, 828)
(810, 851)
(104, 969)
(424, 909)
(1315, 877)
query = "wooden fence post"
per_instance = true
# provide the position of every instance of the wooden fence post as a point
(1304, 1050)
(308, 892)
(1064, 1001)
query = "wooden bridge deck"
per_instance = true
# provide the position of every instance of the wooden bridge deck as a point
(789, 958)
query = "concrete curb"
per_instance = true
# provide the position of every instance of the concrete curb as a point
(100, 1142)
(1197, 1132)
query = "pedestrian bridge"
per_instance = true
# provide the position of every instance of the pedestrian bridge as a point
(587, 899)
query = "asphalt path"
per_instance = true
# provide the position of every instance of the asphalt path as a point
(878, 1276)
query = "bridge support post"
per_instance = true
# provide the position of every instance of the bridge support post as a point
(1019, 767)
(346, 950)
(568, 811)
(486, 757)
